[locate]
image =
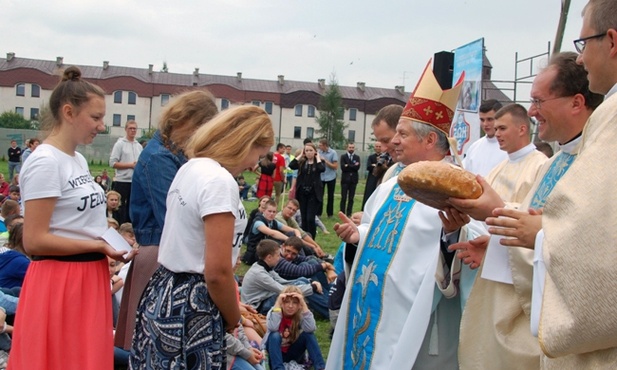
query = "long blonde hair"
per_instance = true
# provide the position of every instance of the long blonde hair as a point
(229, 137)
(295, 330)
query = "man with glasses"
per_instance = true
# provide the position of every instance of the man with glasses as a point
(484, 154)
(561, 103)
(573, 307)
(123, 159)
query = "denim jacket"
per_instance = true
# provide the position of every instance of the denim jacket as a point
(155, 170)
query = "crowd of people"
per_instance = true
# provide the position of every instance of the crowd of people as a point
(513, 279)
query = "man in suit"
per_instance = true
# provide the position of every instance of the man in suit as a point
(371, 179)
(350, 164)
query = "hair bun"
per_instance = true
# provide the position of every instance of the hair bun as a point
(72, 73)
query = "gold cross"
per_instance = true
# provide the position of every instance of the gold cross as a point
(439, 115)
(428, 111)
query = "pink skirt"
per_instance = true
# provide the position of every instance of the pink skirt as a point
(63, 319)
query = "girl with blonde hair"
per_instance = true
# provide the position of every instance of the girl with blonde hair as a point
(190, 300)
(291, 331)
(155, 170)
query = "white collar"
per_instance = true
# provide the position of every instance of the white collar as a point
(521, 152)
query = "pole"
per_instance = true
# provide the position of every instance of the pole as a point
(561, 27)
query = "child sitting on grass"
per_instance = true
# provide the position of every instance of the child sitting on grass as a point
(291, 331)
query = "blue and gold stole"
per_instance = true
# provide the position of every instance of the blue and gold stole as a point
(366, 296)
(558, 168)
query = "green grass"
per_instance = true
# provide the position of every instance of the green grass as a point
(329, 242)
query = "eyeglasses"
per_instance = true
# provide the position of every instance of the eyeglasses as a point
(538, 102)
(580, 44)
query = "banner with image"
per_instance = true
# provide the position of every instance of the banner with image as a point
(466, 125)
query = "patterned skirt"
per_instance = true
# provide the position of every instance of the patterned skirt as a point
(178, 326)
(265, 185)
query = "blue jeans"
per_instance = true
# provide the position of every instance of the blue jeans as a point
(305, 342)
(242, 364)
(12, 167)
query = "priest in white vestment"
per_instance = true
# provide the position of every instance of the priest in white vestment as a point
(401, 309)
(495, 329)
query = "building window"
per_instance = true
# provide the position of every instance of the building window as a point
(311, 111)
(34, 113)
(20, 90)
(310, 132)
(130, 117)
(298, 110)
(118, 97)
(351, 136)
(164, 99)
(341, 113)
(117, 120)
(132, 98)
(297, 132)
(268, 107)
(224, 104)
(19, 110)
(256, 103)
(36, 91)
(352, 114)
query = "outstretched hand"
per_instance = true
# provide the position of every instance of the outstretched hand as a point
(347, 230)
(481, 208)
(519, 227)
(471, 252)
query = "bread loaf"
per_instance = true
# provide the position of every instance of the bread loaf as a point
(433, 182)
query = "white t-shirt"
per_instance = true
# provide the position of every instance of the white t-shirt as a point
(80, 207)
(201, 187)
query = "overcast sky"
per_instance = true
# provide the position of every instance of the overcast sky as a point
(382, 43)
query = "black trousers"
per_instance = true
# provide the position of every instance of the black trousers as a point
(348, 191)
(330, 204)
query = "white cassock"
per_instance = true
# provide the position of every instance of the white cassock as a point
(483, 155)
(401, 309)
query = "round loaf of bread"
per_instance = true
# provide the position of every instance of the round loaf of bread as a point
(433, 182)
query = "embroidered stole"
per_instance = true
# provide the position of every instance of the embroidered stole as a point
(366, 298)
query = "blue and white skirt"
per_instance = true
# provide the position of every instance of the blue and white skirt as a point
(178, 326)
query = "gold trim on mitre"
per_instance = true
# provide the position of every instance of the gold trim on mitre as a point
(430, 104)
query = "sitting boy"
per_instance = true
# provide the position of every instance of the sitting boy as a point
(286, 216)
(265, 227)
(294, 265)
(262, 285)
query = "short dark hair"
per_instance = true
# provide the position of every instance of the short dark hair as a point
(294, 242)
(279, 146)
(267, 247)
(572, 79)
(390, 114)
(517, 111)
(307, 140)
(324, 142)
(14, 188)
(271, 203)
(489, 105)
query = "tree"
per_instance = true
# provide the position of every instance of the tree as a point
(14, 120)
(330, 119)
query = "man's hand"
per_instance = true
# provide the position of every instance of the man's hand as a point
(471, 252)
(347, 230)
(480, 208)
(317, 286)
(453, 220)
(519, 227)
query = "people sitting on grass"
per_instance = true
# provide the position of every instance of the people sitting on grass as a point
(266, 227)
(262, 285)
(291, 332)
